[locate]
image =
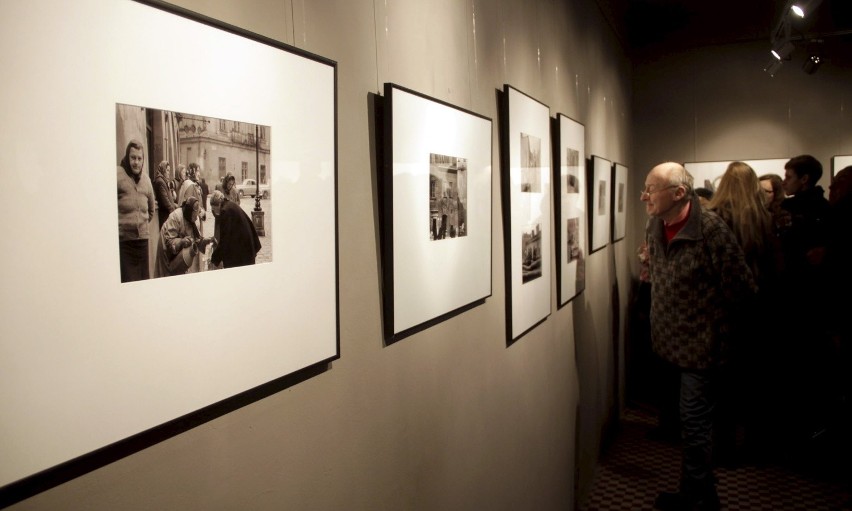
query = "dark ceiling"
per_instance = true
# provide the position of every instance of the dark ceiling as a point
(648, 27)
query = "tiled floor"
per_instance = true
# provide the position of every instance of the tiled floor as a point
(635, 469)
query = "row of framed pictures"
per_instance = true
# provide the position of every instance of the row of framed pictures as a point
(436, 203)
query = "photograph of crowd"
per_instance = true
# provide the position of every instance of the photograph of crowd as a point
(193, 193)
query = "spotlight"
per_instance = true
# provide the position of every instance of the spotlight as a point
(811, 64)
(773, 67)
(783, 50)
(804, 8)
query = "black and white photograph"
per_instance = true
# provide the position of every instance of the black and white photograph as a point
(447, 197)
(530, 164)
(572, 180)
(531, 252)
(196, 200)
(527, 185)
(620, 197)
(602, 189)
(436, 162)
(572, 239)
(707, 174)
(570, 204)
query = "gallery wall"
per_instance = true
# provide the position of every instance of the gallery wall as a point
(452, 417)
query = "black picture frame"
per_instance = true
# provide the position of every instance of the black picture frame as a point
(125, 349)
(619, 201)
(600, 189)
(527, 195)
(436, 203)
(569, 206)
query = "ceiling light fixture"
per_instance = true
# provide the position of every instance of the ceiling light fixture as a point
(811, 64)
(804, 8)
(783, 50)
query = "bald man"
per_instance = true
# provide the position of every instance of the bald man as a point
(700, 282)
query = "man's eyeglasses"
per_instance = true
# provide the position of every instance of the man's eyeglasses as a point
(649, 192)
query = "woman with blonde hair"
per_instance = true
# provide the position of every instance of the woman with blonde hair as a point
(740, 201)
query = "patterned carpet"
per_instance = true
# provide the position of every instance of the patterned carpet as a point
(635, 469)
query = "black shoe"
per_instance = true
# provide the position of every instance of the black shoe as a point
(667, 501)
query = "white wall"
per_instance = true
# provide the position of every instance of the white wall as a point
(449, 418)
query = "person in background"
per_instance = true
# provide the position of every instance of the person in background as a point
(740, 201)
(803, 235)
(136, 205)
(237, 242)
(700, 282)
(205, 191)
(704, 196)
(162, 193)
(838, 276)
(774, 190)
(229, 188)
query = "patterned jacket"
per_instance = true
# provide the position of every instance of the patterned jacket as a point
(700, 286)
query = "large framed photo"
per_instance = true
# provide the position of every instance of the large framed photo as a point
(619, 201)
(101, 356)
(569, 181)
(838, 163)
(526, 153)
(599, 191)
(706, 174)
(437, 211)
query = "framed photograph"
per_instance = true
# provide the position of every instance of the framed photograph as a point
(838, 163)
(110, 357)
(569, 178)
(525, 151)
(706, 174)
(599, 191)
(619, 201)
(437, 211)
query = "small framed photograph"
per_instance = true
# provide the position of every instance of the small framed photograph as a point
(569, 184)
(526, 159)
(619, 201)
(436, 234)
(599, 190)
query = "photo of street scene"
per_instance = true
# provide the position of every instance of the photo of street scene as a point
(193, 193)
(572, 161)
(531, 252)
(575, 252)
(447, 197)
(573, 239)
(530, 163)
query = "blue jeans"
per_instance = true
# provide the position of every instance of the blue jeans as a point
(697, 406)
